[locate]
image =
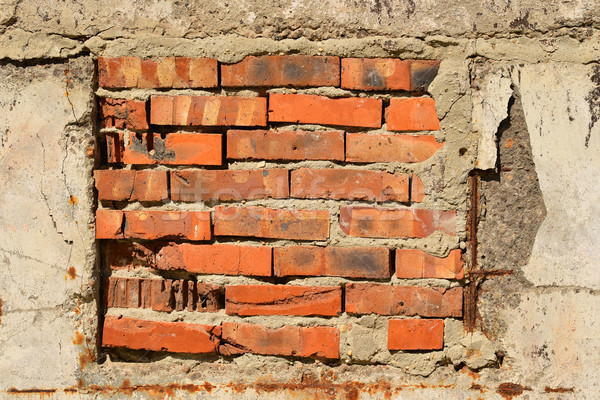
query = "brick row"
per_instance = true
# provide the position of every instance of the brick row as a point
(236, 185)
(227, 339)
(181, 148)
(271, 223)
(162, 294)
(265, 71)
(230, 259)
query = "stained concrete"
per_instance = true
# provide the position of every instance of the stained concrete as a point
(537, 333)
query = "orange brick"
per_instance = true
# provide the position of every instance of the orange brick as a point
(412, 114)
(348, 184)
(176, 337)
(422, 73)
(272, 223)
(391, 222)
(311, 109)
(350, 262)
(285, 145)
(167, 72)
(366, 148)
(367, 298)
(123, 114)
(287, 70)
(415, 334)
(131, 185)
(150, 225)
(417, 190)
(248, 300)
(415, 264)
(314, 341)
(224, 259)
(227, 185)
(174, 149)
(208, 110)
(375, 74)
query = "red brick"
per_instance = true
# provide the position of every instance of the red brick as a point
(167, 72)
(314, 341)
(224, 259)
(375, 74)
(311, 109)
(174, 149)
(415, 334)
(208, 110)
(131, 185)
(123, 114)
(272, 223)
(350, 262)
(109, 224)
(123, 292)
(348, 184)
(130, 255)
(391, 222)
(176, 337)
(247, 300)
(366, 148)
(285, 145)
(227, 185)
(414, 264)
(150, 225)
(422, 73)
(287, 70)
(417, 190)
(367, 298)
(412, 114)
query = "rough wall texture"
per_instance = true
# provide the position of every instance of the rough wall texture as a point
(530, 71)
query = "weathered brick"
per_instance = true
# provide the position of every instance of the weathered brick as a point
(312, 109)
(130, 255)
(272, 223)
(392, 222)
(350, 262)
(225, 259)
(422, 73)
(417, 190)
(366, 148)
(286, 70)
(122, 292)
(131, 185)
(247, 300)
(176, 337)
(123, 114)
(161, 295)
(285, 145)
(109, 224)
(150, 225)
(412, 114)
(314, 341)
(173, 149)
(348, 184)
(227, 185)
(208, 110)
(166, 72)
(414, 264)
(415, 334)
(367, 298)
(375, 74)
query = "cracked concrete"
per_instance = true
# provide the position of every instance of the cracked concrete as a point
(539, 224)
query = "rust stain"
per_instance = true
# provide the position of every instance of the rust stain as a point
(79, 338)
(73, 200)
(88, 354)
(509, 390)
(72, 272)
(558, 390)
(470, 293)
(509, 143)
(39, 392)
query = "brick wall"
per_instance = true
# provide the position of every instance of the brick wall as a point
(266, 206)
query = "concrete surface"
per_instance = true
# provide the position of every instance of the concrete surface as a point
(537, 335)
